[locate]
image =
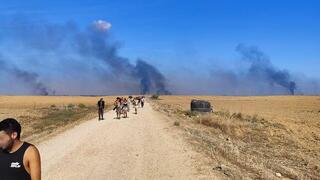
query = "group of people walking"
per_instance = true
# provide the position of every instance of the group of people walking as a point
(122, 106)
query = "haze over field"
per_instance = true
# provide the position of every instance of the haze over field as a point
(56, 52)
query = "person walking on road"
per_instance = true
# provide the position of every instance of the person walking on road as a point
(101, 108)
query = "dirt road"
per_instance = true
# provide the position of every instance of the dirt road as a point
(143, 146)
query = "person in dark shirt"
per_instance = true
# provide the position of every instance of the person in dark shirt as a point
(142, 101)
(100, 108)
(18, 160)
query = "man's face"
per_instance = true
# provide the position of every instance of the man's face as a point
(6, 140)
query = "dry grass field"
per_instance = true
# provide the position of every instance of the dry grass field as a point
(263, 136)
(44, 114)
(245, 137)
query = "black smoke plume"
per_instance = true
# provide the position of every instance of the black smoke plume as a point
(151, 80)
(74, 60)
(94, 43)
(261, 68)
(29, 79)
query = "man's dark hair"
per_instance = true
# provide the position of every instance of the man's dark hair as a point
(10, 126)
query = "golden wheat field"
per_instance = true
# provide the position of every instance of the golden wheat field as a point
(255, 134)
(46, 113)
(298, 113)
(29, 102)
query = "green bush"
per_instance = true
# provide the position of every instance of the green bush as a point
(155, 96)
(70, 106)
(81, 106)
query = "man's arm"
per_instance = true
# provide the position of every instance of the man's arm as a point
(34, 162)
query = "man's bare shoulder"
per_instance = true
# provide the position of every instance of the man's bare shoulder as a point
(32, 152)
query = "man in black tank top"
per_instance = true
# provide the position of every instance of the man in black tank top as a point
(18, 160)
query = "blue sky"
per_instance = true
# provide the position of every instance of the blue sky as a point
(196, 34)
(183, 39)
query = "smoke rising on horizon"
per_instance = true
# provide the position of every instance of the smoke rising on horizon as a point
(63, 59)
(256, 76)
(261, 69)
(253, 74)
(40, 58)
(28, 78)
